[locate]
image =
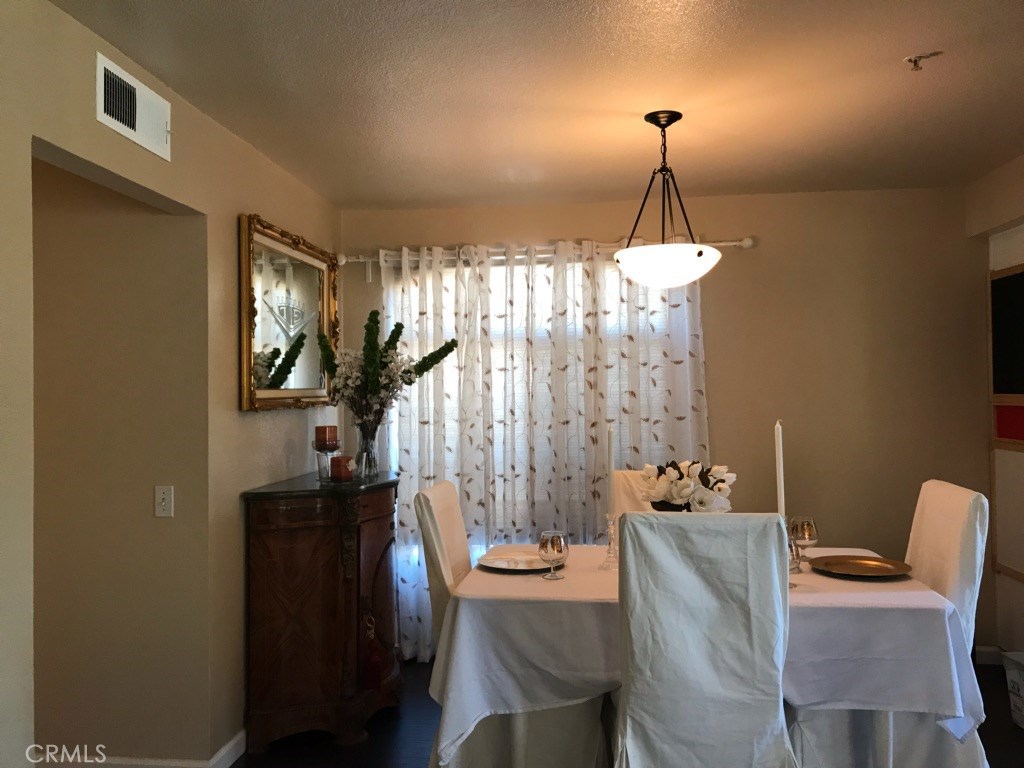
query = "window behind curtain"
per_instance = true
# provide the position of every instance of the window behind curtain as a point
(552, 352)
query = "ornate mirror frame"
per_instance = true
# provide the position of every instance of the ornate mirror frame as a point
(258, 235)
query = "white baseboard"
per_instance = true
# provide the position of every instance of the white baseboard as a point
(988, 654)
(225, 757)
(230, 752)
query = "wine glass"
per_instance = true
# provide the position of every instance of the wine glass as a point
(794, 556)
(804, 533)
(553, 550)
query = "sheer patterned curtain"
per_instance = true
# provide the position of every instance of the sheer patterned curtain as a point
(555, 347)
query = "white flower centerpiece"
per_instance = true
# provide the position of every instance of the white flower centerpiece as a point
(688, 486)
(368, 382)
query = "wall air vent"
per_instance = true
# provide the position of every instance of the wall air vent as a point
(130, 108)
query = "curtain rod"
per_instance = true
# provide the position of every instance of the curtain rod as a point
(388, 254)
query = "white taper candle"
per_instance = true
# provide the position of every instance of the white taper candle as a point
(780, 483)
(611, 465)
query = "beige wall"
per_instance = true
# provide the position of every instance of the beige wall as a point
(47, 71)
(119, 322)
(859, 320)
(996, 200)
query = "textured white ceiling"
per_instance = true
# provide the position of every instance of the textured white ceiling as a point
(446, 102)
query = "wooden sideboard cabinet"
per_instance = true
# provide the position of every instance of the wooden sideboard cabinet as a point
(319, 572)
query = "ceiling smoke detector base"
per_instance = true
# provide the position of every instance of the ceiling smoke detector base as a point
(915, 61)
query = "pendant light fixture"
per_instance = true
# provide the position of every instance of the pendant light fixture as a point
(668, 264)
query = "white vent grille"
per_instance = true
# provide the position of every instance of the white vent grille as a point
(132, 109)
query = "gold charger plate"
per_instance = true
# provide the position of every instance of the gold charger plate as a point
(525, 561)
(861, 566)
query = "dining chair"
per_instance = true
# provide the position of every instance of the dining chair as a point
(703, 602)
(947, 546)
(628, 490)
(445, 546)
(564, 737)
(946, 551)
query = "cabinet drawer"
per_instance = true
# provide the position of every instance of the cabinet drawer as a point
(292, 513)
(377, 504)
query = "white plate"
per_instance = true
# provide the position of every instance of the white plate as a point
(514, 561)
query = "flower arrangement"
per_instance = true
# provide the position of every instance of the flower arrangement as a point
(368, 382)
(689, 487)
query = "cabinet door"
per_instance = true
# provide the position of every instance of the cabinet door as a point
(294, 556)
(377, 577)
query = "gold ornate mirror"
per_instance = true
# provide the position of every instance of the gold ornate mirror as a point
(288, 296)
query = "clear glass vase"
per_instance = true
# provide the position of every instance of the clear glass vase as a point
(366, 463)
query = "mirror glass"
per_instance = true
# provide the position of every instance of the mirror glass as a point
(288, 297)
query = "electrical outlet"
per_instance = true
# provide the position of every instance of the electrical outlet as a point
(163, 501)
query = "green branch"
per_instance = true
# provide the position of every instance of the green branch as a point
(392, 343)
(284, 368)
(327, 357)
(428, 361)
(371, 352)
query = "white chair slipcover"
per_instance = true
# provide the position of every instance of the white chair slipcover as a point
(947, 546)
(628, 489)
(444, 545)
(704, 609)
(946, 551)
(564, 737)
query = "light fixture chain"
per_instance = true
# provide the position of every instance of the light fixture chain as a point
(664, 148)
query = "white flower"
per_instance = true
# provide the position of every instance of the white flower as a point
(702, 500)
(706, 500)
(680, 491)
(686, 487)
(369, 407)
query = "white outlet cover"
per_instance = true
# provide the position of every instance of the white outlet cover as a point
(163, 501)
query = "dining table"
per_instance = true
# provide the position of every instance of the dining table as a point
(513, 642)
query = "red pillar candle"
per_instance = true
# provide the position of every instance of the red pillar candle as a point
(326, 438)
(340, 468)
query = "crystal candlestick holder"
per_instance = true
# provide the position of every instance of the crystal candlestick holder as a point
(611, 558)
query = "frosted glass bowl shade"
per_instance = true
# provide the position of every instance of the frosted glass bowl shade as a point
(667, 265)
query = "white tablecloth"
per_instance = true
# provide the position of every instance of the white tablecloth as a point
(518, 643)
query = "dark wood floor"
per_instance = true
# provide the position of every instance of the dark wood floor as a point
(1004, 741)
(402, 737)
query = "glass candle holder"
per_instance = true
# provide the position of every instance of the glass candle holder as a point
(325, 438)
(611, 558)
(323, 462)
(341, 468)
